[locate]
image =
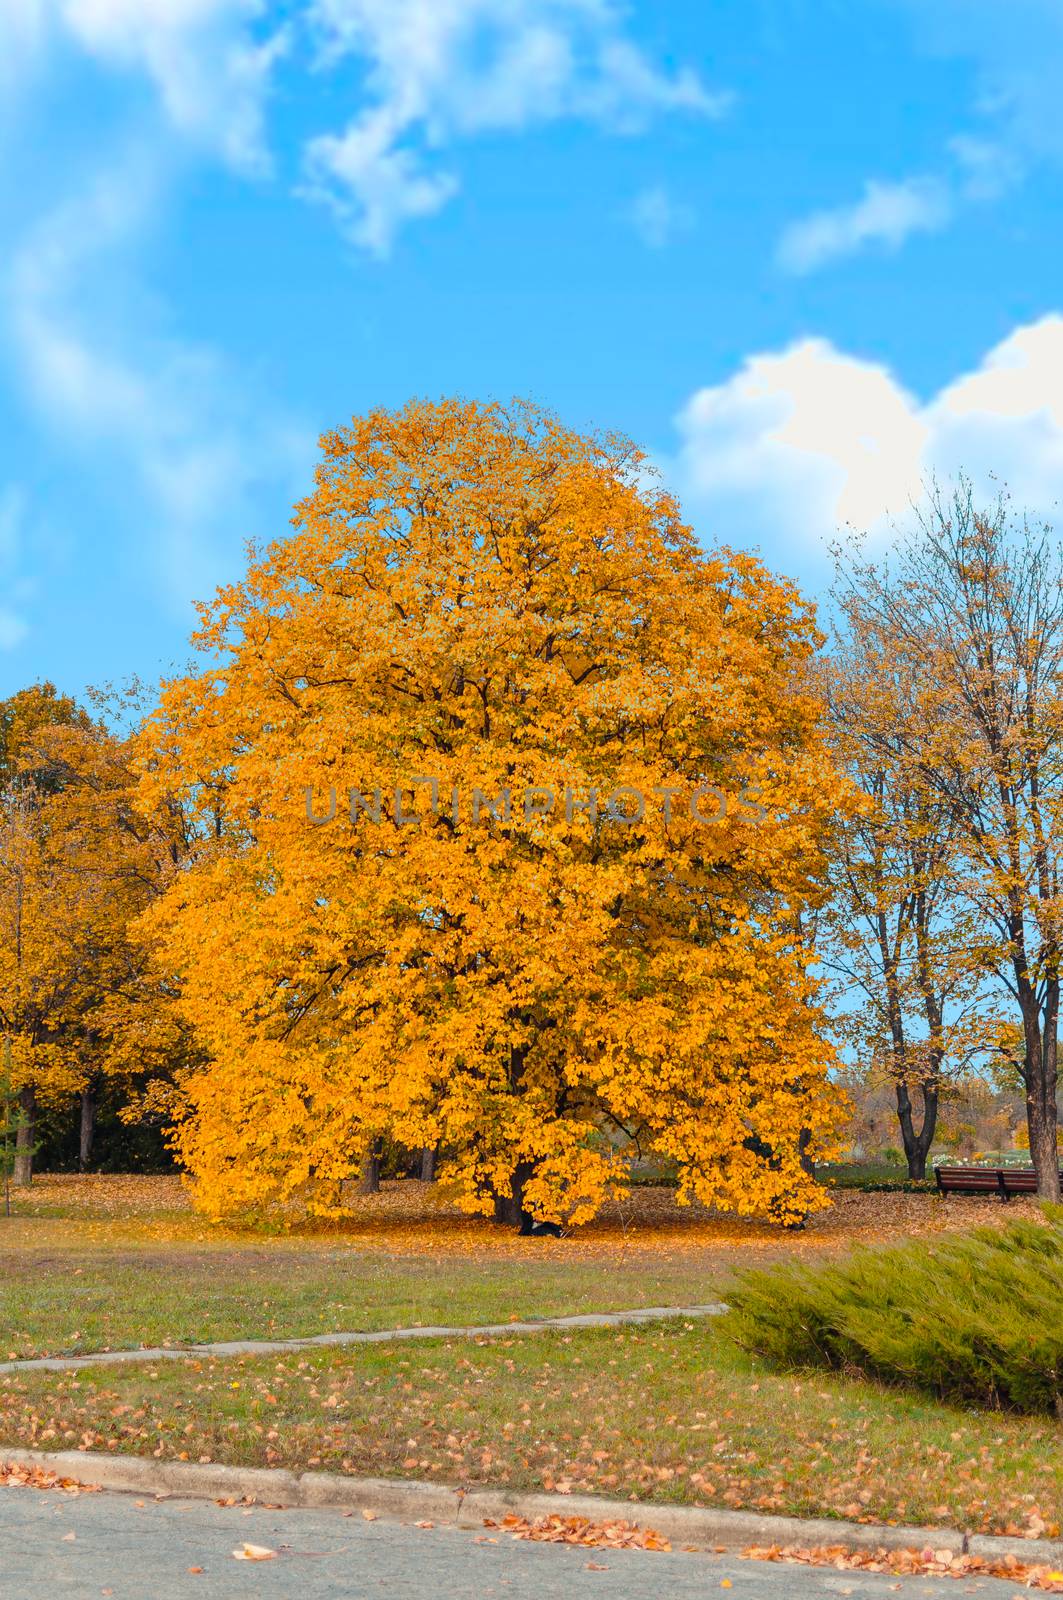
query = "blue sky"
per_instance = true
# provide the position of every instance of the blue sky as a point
(805, 251)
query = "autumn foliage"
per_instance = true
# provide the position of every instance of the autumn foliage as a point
(78, 866)
(477, 597)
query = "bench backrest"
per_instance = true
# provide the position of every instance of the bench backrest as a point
(987, 1180)
(976, 1178)
(1020, 1182)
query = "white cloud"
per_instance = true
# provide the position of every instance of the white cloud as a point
(205, 58)
(23, 27)
(389, 183)
(1006, 417)
(803, 441)
(657, 218)
(988, 168)
(886, 214)
(14, 627)
(438, 71)
(12, 517)
(165, 429)
(1017, 55)
(426, 75)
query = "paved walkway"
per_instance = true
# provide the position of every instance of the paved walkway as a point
(57, 1547)
(270, 1347)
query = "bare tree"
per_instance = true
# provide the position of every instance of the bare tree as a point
(972, 610)
(895, 933)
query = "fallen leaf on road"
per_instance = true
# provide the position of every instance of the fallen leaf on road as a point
(16, 1476)
(579, 1530)
(370, 1516)
(254, 1552)
(932, 1563)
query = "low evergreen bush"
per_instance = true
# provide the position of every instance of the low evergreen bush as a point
(871, 1177)
(974, 1317)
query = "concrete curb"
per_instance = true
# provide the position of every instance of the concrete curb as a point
(398, 1500)
(996, 1548)
(273, 1347)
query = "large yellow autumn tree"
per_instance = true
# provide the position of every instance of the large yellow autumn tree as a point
(510, 800)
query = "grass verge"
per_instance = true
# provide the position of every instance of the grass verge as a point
(667, 1413)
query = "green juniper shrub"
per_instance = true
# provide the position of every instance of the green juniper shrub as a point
(972, 1317)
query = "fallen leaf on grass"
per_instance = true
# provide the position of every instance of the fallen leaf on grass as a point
(902, 1563)
(254, 1552)
(580, 1530)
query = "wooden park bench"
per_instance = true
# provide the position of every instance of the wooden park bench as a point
(1002, 1181)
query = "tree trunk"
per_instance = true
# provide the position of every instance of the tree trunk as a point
(88, 1127)
(429, 1157)
(804, 1139)
(509, 1208)
(917, 1145)
(1044, 1146)
(1039, 1073)
(370, 1178)
(27, 1104)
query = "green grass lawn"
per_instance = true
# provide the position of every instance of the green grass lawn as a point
(666, 1413)
(104, 1263)
(113, 1263)
(58, 1304)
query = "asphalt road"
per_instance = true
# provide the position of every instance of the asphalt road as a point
(59, 1547)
